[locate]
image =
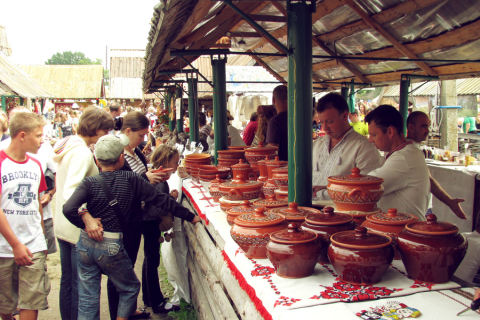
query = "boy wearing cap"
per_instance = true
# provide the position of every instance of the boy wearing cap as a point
(99, 251)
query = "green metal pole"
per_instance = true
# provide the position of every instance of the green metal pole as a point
(404, 86)
(171, 123)
(192, 109)
(179, 95)
(219, 104)
(344, 92)
(351, 98)
(4, 103)
(299, 24)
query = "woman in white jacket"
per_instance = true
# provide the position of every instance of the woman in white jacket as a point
(75, 162)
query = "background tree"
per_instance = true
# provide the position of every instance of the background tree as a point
(69, 57)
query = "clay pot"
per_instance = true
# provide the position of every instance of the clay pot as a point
(294, 213)
(325, 225)
(196, 159)
(227, 163)
(226, 205)
(238, 147)
(390, 223)
(431, 251)
(262, 168)
(213, 189)
(280, 178)
(360, 257)
(270, 202)
(168, 172)
(281, 194)
(244, 170)
(239, 189)
(231, 154)
(355, 192)
(251, 231)
(256, 154)
(236, 211)
(194, 173)
(209, 172)
(270, 185)
(293, 252)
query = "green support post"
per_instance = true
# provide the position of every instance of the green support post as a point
(344, 92)
(404, 86)
(179, 95)
(4, 103)
(192, 109)
(171, 123)
(299, 22)
(351, 98)
(219, 104)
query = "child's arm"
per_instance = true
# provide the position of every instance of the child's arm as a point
(21, 254)
(70, 208)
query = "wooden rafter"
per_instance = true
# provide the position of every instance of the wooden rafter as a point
(400, 47)
(344, 63)
(280, 49)
(254, 11)
(279, 7)
(246, 34)
(266, 66)
(268, 18)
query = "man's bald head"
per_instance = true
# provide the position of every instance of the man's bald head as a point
(418, 124)
(16, 110)
(280, 98)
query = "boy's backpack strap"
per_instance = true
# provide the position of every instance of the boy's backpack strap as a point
(112, 202)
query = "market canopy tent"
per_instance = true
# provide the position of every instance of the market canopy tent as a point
(70, 81)
(410, 29)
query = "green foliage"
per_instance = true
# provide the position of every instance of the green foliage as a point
(69, 57)
(187, 312)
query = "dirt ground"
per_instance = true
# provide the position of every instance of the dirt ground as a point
(54, 271)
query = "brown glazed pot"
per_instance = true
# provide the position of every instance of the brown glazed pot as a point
(262, 168)
(390, 223)
(210, 172)
(281, 195)
(251, 231)
(243, 169)
(239, 189)
(270, 185)
(231, 154)
(228, 163)
(213, 189)
(294, 213)
(270, 202)
(280, 178)
(355, 192)
(238, 147)
(293, 252)
(359, 256)
(195, 160)
(325, 225)
(246, 207)
(255, 154)
(431, 251)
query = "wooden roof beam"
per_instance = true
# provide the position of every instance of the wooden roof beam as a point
(400, 47)
(245, 34)
(268, 18)
(266, 66)
(279, 7)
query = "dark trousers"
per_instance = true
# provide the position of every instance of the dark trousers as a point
(131, 242)
(152, 295)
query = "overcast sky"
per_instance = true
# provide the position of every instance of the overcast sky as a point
(37, 29)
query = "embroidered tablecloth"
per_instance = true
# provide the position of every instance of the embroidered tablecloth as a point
(273, 295)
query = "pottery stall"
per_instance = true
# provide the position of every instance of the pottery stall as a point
(269, 187)
(256, 154)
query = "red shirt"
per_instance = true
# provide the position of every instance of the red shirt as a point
(249, 133)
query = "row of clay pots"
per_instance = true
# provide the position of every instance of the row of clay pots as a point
(192, 161)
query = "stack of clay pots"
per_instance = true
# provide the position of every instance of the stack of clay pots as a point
(228, 158)
(256, 154)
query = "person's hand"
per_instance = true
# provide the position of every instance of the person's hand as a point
(195, 220)
(315, 189)
(156, 177)
(22, 255)
(46, 198)
(477, 294)
(174, 194)
(93, 227)
(454, 205)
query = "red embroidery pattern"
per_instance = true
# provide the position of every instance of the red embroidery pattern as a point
(285, 301)
(349, 292)
(419, 284)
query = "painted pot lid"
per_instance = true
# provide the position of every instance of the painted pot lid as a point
(271, 202)
(355, 179)
(432, 227)
(294, 234)
(246, 207)
(281, 170)
(276, 162)
(238, 182)
(360, 238)
(328, 218)
(241, 165)
(259, 218)
(263, 162)
(392, 217)
(294, 211)
(216, 181)
(209, 168)
(261, 148)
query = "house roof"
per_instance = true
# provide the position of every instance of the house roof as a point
(15, 81)
(429, 29)
(69, 81)
(464, 87)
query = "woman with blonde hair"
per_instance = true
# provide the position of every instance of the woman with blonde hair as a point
(265, 113)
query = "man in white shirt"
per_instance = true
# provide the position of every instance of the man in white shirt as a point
(418, 125)
(341, 149)
(405, 173)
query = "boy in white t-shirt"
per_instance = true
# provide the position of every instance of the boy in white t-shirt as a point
(24, 283)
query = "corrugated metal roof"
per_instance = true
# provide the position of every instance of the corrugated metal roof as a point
(464, 87)
(69, 81)
(19, 82)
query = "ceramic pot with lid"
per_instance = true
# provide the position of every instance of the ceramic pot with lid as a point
(431, 250)
(355, 192)
(226, 205)
(243, 169)
(246, 207)
(293, 252)
(281, 194)
(294, 213)
(256, 154)
(359, 256)
(239, 189)
(390, 223)
(213, 189)
(270, 202)
(326, 224)
(196, 159)
(231, 154)
(251, 231)
(262, 168)
(238, 147)
(270, 185)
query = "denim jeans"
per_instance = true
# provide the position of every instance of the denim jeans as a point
(110, 257)
(68, 281)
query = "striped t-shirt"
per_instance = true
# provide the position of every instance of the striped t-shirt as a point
(135, 163)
